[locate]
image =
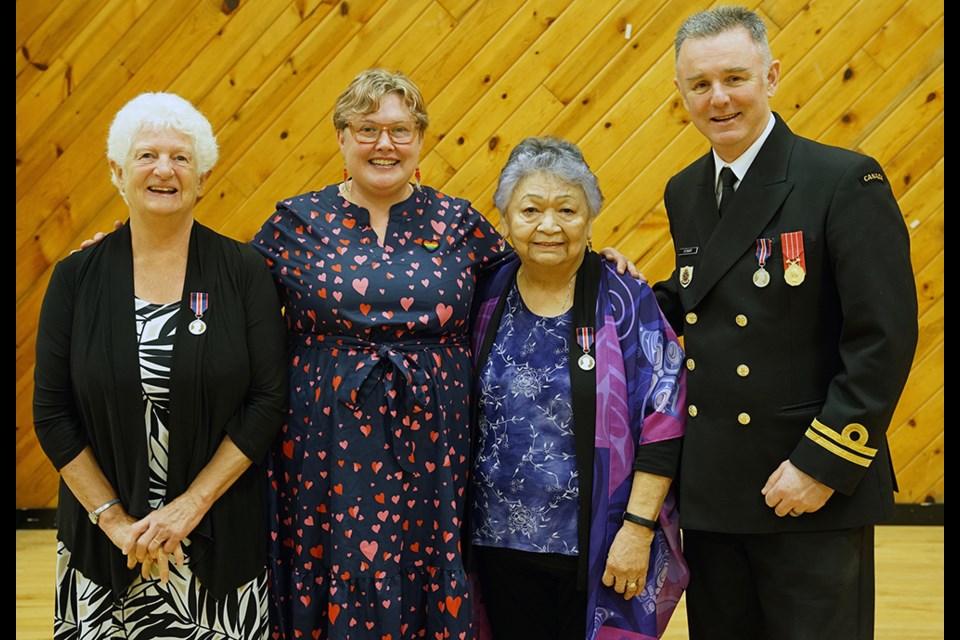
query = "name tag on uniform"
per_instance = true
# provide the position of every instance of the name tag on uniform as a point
(688, 251)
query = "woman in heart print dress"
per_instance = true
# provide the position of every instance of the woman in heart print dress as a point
(367, 479)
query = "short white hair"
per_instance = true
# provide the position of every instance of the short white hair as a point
(154, 112)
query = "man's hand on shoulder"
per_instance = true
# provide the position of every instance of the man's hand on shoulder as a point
(97, 237)
(624, 264)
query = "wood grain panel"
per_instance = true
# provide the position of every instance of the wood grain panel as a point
(866, 75)
(924, 55)
(60, 56)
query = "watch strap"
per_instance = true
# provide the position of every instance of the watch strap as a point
(643, 522)
(95, 514)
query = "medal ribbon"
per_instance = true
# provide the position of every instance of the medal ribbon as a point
(764, 246)
(585, 338)
(792, 243)
(198, 302)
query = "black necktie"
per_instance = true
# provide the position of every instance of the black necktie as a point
(727, 177)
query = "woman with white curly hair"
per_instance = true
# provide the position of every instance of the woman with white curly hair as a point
(160, 383)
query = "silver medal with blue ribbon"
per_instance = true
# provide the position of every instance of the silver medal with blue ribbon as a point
(198, 304)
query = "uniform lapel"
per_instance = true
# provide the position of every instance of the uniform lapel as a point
(759, 197)
(704, 203)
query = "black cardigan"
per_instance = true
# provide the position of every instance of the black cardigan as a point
(230, 380)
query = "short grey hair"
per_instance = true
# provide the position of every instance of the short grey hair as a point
(552, 156)
(154, 112)
(713, 22)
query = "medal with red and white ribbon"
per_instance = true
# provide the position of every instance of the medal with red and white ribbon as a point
(585, 340)
(794, 264)
(198, 304)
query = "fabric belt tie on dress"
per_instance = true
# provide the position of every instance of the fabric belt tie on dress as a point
(406, 387)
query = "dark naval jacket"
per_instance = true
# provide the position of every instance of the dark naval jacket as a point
(808, 370)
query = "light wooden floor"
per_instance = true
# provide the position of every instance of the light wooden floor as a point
(909, 585)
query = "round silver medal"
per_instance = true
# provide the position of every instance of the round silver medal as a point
(586, 362)
(198, 326)
(761, 277)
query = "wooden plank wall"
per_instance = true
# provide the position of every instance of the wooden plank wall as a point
(863, 74)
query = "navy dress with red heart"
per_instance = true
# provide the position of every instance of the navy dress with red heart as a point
(367, 479)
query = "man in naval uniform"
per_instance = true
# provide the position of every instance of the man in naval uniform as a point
(799, 313)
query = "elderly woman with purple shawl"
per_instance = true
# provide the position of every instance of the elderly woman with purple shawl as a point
(578, 420)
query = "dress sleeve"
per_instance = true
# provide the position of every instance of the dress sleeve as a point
(659, 458)
(270, 240)
(56, 419)
(266, 399)
(486, 242)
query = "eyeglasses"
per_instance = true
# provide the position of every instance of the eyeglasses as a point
(398, 132)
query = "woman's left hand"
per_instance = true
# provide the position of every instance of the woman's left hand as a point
(626, 569)
(162, 560)
(161, 535)
(624, 264)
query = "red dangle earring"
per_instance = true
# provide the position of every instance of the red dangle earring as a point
(344, 187)
(416, 178)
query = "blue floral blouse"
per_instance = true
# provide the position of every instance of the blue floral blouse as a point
(525, 479)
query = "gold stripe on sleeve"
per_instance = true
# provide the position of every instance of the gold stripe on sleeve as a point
(843, 444)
